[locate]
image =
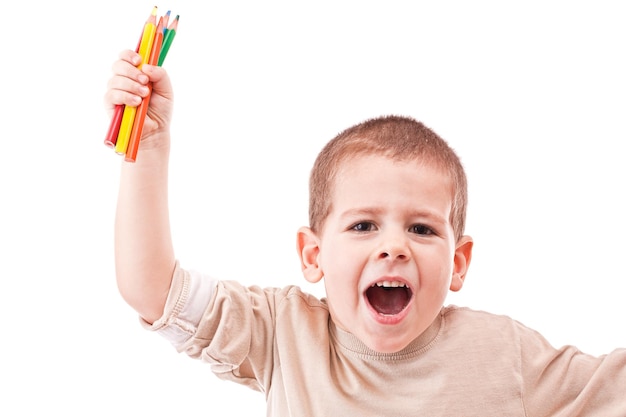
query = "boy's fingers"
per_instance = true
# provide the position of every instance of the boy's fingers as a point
(129, 85)
(159, 78)
(114, 97)
(154, 72)
(130, 56)
(125, 69)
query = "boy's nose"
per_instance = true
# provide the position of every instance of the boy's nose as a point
(394, 248)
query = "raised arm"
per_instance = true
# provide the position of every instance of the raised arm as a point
(144, 255)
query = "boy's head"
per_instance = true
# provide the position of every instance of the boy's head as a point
(398, 138)
(388, 200)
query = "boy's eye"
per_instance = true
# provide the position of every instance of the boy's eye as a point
(421, 229)
(362, 227)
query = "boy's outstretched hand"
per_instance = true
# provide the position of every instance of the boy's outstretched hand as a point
(144, 255)
(128, 86)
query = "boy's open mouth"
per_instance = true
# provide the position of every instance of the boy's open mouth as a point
(388, 297)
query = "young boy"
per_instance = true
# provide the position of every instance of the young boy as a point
(387, 213)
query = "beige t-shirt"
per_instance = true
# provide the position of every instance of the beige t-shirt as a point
(467, 363)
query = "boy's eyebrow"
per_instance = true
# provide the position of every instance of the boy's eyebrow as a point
(373, 211)
(361, 211)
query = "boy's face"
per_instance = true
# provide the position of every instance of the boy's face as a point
(387, 251)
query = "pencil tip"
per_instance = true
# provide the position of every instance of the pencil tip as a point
(176, 17)
(168, 12)
(154, 11)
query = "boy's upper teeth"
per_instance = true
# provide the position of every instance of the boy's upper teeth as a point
(392, 284)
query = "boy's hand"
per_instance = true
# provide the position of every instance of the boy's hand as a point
(144, 255)
(129, 85)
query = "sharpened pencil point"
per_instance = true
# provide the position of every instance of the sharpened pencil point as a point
(166, 19)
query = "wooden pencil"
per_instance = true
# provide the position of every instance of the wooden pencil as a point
(142, 110)
(170, 32)
(128, 116)
(114, 127)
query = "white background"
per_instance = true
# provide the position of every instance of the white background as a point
(531, 95)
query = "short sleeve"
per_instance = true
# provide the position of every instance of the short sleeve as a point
(190, 294)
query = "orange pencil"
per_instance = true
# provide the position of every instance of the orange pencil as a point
(142, 110)
(114, 127)
(128, 117)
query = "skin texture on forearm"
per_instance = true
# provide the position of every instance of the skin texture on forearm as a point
(144, 254)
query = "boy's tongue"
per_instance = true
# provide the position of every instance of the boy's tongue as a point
(388, 300)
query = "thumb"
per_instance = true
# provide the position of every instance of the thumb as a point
(159, 78)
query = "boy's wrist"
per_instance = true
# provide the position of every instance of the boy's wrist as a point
(153, 149)
(158, 140)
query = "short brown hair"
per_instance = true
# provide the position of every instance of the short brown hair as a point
(397, 137)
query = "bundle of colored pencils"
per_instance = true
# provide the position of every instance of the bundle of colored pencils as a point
(127, 123)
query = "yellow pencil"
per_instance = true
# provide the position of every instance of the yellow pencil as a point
(128, 117)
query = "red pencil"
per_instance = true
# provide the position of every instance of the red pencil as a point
(114, 127)
(142, 110)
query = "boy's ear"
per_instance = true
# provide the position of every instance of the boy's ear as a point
(462, 258)
(308, 250)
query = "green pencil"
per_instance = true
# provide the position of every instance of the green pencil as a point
(170, 32)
